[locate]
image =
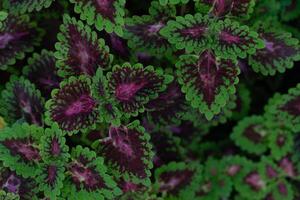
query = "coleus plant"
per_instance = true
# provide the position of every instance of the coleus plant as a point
(151, 100)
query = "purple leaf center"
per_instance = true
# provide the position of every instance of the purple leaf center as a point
(25, 148)
(85, 104)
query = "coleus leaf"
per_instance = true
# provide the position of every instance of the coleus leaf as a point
(72, 106)
(281, 190)
(269, 170)
(168, 107)
(79, 50)
(50, 178)
(132, 86)
(213, 184)
(192, 33)
(207, 81)
(175, 177)
(16, 187)
(251, 134)
(41, 71)
(23, 6)
(18, 35)
(235, 40)
(88, 178)
(173, 2)
(19, 148)
(280, 142)
(22, 101)
(127, 149)
(237, 8)
(105, 14)
(143, 32)
(251, 182)
(107, 106)
(234, 165)
(289, 166)
(280, 51)
(53, 145)
(285, 109)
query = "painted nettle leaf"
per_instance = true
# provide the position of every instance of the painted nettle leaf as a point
(281, 190)
(128, 150)
(133, 86)
(53, 145)
(143, 32)
(207, 80)
(50, 178)
(192, 33)
(21, 101)
(18, 35)
(236, 8)
(168, 107)
(72, 105)
(106, 15)
(79, 50)
(235, 40)
(42, 72)
(213, 184)
(21, 152)
(107, 106)
(23, 6)
(175, 177)
(16, 187)
(279, 54)
(88, 177)
(251, 134)
(280, 142)
(285, 109)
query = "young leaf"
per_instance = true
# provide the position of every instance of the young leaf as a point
(133, 86)
(207, 81)
(107, 106)
(251, 134)
(79, 50)
(42, 72)
(143, 32)
(192, 33)
(53, 145)
(50, 178)
(128, 150)
(23, 6)
(234, 40)
(22, 101)
(18, 35)
(280, 51)
(105, 14)
(88, 178)
(19, 148)
(72, 106)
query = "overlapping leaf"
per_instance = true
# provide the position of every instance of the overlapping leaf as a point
(79, 50)
(207, 81)
(22, 101)
(105, 14)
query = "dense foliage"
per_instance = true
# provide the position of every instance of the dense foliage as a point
(149, 100)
